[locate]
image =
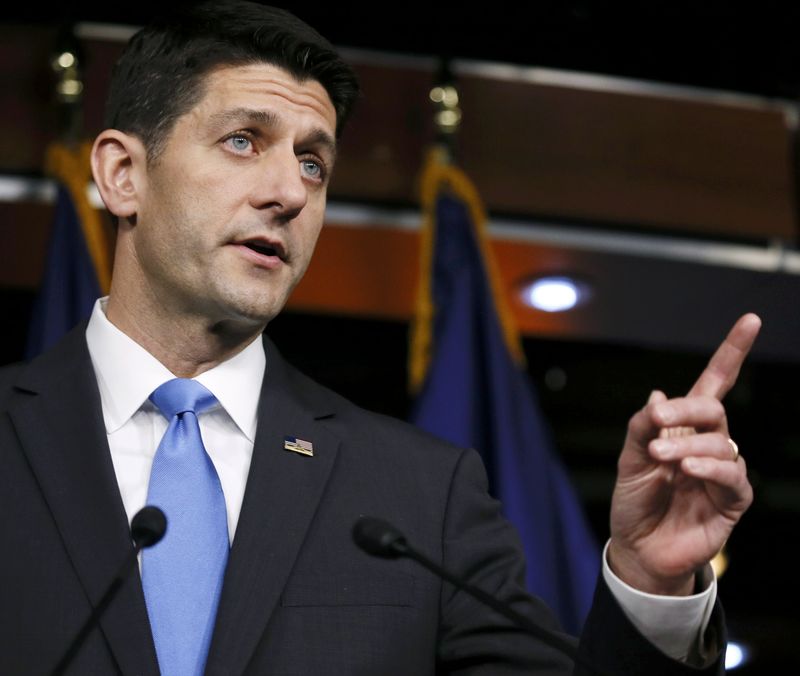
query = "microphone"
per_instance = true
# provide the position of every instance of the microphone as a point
(380, 538)
(147, 528)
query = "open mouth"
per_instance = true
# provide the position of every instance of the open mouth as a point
(261, 248)
(265, 248)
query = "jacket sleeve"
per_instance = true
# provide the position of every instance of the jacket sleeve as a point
(479, 544)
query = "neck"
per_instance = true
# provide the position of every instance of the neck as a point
(186, 345)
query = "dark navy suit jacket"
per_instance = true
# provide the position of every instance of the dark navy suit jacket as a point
(299, 597)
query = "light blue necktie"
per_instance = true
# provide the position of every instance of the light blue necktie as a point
(182, 574)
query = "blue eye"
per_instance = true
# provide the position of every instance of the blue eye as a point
(311, 168)
(239, 142)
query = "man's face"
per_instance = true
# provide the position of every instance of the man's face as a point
(232, 207)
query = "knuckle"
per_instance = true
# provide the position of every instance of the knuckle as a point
(717, 409)
(722, 445)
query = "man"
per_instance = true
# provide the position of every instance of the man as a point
(220, 144)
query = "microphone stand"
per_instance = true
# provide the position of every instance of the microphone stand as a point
(380, 538)
(147, 528)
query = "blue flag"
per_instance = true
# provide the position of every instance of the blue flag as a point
(70, 285)
(475, 393)
(77, 267)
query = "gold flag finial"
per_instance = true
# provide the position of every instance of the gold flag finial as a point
(447, 111)
(66, 66)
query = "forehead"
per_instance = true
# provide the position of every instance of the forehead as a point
(262, 86)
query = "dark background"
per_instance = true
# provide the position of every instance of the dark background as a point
(739, 46)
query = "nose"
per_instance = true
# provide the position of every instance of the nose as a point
(279, 185)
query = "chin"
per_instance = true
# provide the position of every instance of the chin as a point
(249, 304)
(255, 313)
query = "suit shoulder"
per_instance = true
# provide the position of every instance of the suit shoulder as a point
(8, 377)
(9, 373)
(377, 430)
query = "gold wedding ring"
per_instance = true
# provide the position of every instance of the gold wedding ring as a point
(734, 448)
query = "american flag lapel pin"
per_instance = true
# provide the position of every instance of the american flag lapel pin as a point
(298, 445)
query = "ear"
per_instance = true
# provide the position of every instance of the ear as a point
(119, 166)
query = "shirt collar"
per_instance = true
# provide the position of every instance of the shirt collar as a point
(127, 374)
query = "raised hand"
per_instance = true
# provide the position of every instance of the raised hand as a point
(681, 485)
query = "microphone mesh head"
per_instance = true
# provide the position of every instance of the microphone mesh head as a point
(379, 538)
(148, 526)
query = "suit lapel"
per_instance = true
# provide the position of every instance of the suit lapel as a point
(282, 494)
(57, 416)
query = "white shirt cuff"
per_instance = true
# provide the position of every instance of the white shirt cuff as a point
(674, 624)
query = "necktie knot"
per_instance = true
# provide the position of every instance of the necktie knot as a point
(181, 395)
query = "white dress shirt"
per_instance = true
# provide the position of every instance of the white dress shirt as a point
(674, 624)
(127, 375)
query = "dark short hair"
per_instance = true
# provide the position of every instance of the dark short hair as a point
(160, 75)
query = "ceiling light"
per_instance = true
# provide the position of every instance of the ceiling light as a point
(553, 294)
(735, 655)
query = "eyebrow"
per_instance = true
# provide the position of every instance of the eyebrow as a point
(268, 118)
(238, 115)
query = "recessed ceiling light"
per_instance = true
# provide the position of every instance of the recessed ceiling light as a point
(553, 294)
(735, 655)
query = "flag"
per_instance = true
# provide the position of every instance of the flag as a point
(467, 366)
(78, 264)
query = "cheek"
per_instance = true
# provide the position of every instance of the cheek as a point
(156, 250)
(169, 239)
(309, 240)
(221, 199)
(216, 182)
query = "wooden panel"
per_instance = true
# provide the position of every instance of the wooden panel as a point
(361, 271)
(384, 143)
(640, 160)
(536, 150)
(24, 234)
(371, 271)
(27, 112)
(634, 299)
(555, 152)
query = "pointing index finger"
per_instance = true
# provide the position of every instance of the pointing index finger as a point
(723, 367)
